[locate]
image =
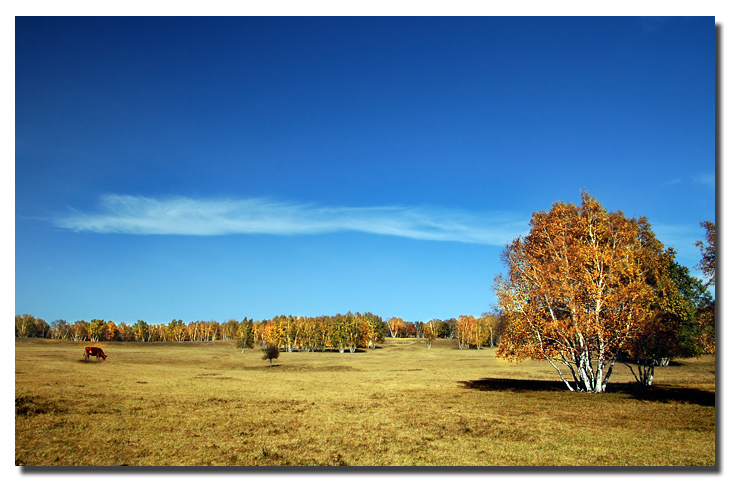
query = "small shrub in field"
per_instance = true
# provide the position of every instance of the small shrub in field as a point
(271, 352)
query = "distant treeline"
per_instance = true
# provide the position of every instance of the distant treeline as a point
(291, 333)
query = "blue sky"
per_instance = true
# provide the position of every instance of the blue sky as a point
(216, 168)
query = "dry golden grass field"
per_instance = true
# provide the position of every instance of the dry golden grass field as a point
(402, 404)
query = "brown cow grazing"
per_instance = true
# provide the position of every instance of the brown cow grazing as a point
(94, 351)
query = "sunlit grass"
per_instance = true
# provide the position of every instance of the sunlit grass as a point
(402, 404)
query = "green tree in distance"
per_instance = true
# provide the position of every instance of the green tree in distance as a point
(245, 335)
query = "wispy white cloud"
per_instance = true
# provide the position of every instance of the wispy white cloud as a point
(140, 215)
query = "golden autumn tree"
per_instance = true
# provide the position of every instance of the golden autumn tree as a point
(578, 288)
(111, 332)
(273, 332)
(373, 328)
(308, 333)
(97, 329)
(490, 333)
(395, 325)
(431, 330)
(465, 330)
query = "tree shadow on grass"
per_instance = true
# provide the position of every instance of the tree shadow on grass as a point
(656, 393)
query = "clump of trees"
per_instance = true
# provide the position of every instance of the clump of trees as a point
(586, 287)
(339, 332)
(28, 326)
(398, 327)
(106, 330)
(478, 332)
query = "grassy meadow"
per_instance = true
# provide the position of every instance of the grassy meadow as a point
(401, 404)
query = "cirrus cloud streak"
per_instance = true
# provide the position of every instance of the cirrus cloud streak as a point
(139, 215)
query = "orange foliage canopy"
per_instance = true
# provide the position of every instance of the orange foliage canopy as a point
(577, 289)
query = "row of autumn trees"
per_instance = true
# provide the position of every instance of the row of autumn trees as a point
(106, 330)
(339, 332)
(586, 288)
(352, 331)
